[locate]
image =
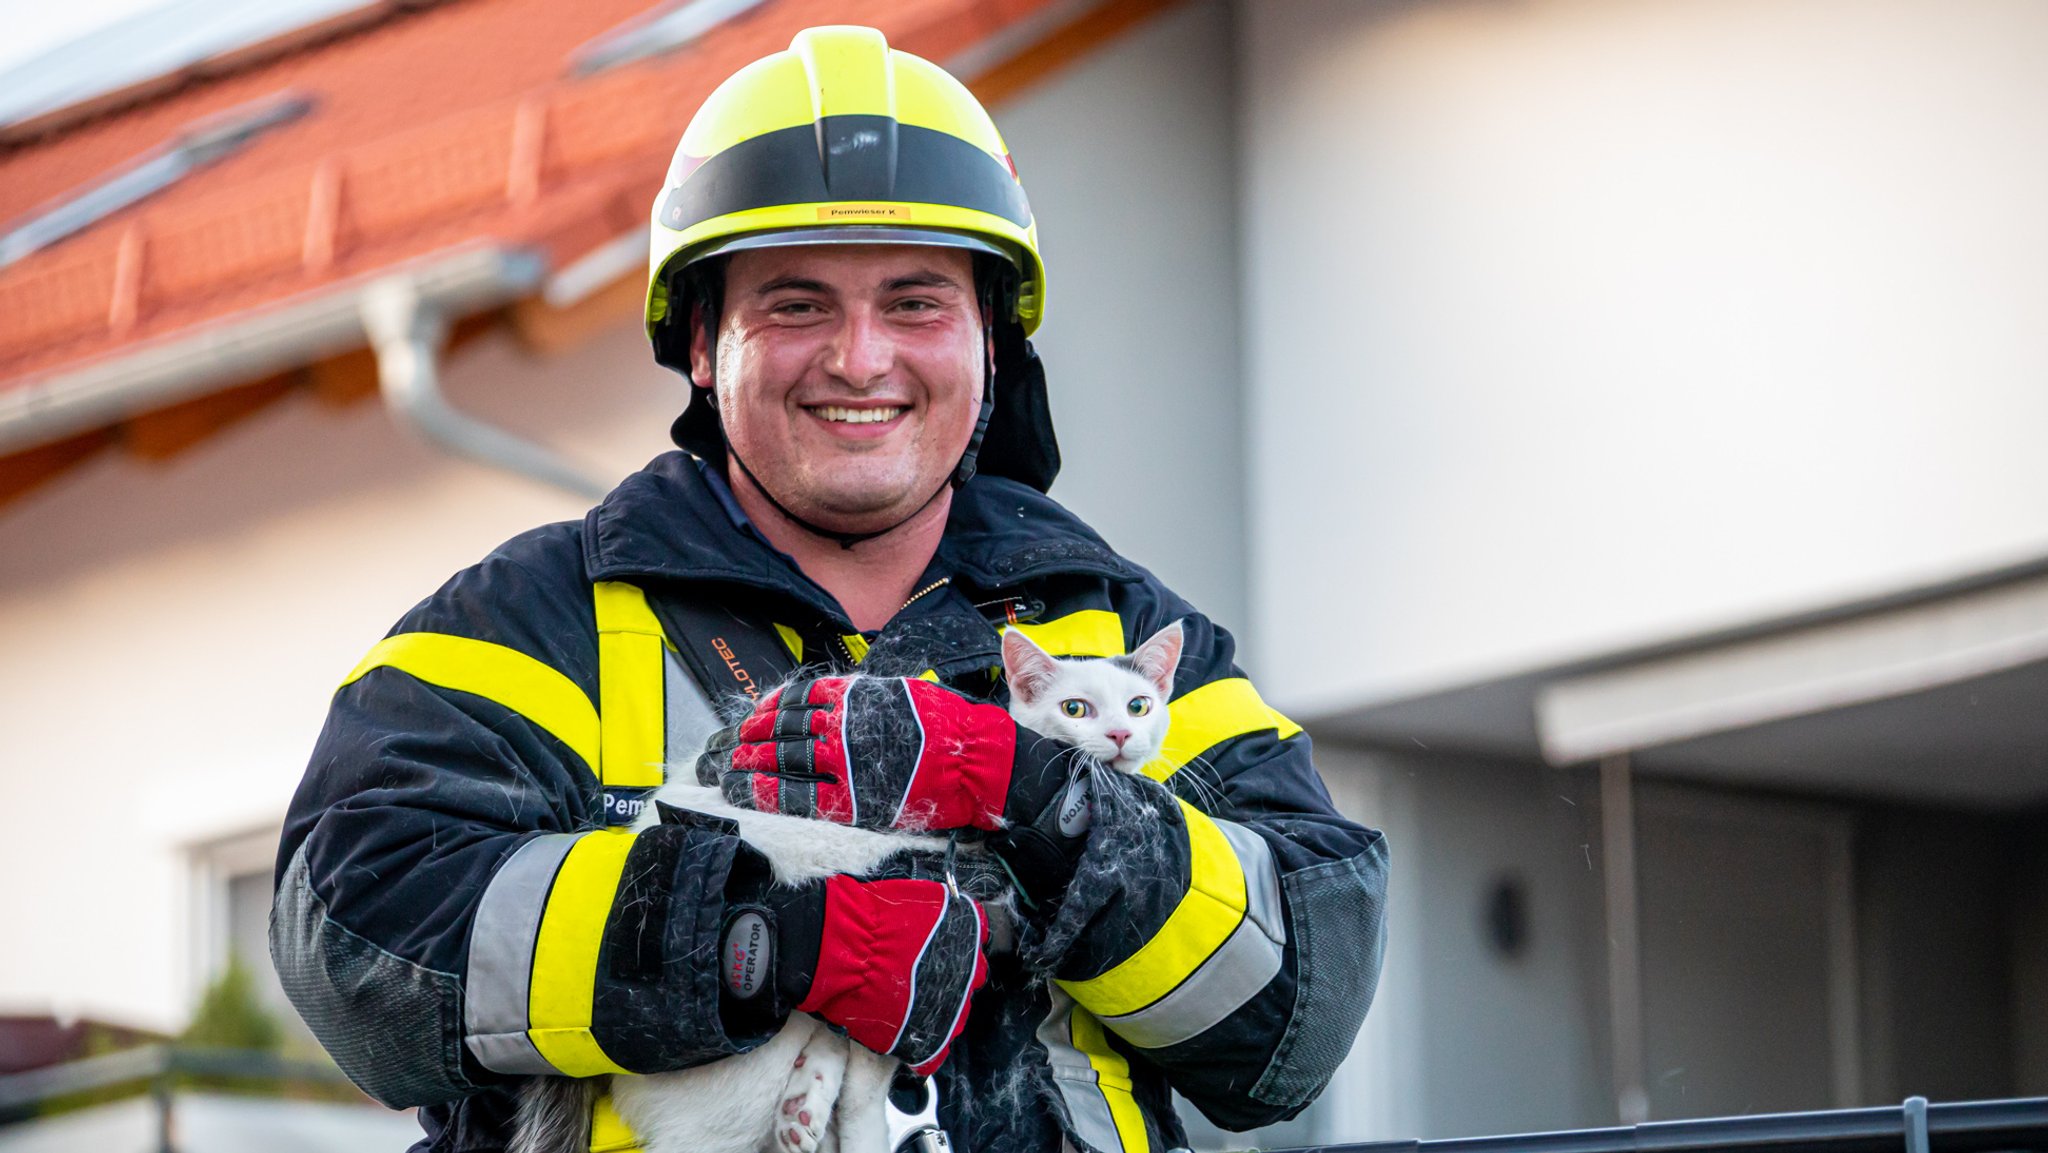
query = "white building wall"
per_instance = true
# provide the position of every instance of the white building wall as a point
(174, 631)
(1129, 159)
(1463, 1039)
(1574, 324)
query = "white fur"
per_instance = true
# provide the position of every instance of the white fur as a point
(798, 848)
(808, 1089)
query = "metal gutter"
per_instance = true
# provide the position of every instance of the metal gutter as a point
(405, 329)
(599, 268)
(276, 340)
(402, 314)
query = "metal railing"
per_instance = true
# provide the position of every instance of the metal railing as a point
(158, 1071)
(2010, 1126)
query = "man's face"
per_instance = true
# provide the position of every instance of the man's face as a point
(848, 376)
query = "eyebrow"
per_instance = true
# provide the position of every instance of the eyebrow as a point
(921, 279)
(798, 283)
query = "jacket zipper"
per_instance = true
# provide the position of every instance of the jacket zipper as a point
(940, 583)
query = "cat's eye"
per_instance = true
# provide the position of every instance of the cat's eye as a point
(1139, 706)
(1077, 708)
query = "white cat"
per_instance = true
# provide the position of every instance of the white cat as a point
(808, 1089)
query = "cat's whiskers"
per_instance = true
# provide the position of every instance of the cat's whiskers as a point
(1202, 780)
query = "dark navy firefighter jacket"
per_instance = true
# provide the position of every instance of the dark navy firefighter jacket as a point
(461, 905)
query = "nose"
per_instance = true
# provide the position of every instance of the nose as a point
(1119, 736)
(862, 350)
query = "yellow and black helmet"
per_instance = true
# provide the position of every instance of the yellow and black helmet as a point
(839, 140)
(843, 140)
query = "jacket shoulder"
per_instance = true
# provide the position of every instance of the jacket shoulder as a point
(531, 593)
(1001, 533)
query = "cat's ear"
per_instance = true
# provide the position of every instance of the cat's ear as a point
(1028, 668)
(1156, 659)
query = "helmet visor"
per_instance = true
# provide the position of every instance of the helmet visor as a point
(857, 234)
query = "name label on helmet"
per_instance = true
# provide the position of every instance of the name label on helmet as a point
(863, 212)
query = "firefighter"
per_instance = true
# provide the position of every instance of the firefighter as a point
(845, 267)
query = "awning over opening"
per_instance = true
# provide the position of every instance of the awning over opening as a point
(1935, 694)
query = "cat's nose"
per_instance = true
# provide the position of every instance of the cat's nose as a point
(1119, 736)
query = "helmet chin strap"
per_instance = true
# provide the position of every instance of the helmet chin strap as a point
(961, 474)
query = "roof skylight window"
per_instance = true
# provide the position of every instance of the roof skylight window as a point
(202, 143)
(655, 34)
(160, 40)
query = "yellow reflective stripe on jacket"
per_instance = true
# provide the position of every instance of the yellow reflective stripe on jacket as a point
(1113, 1078)
(791, 641)
(609, 1132)
(1092, 1079)
(504, 675)
(1087, 633)
(1208, 913)
(1206, 717)
(565, 954)
(629, 678)
(632, 679)
(1241, 968)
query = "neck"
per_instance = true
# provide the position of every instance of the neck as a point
(872, 579)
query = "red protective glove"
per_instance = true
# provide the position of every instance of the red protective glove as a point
(884, 753)
(894, 963)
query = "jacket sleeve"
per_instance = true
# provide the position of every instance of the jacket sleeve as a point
(1226, 923)
(452, 907)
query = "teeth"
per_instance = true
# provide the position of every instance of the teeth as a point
(857, 415)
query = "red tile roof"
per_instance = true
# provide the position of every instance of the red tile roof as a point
(433, 126)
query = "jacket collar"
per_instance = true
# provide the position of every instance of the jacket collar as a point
(665, 522)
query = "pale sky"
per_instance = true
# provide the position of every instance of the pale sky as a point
(35, 26)
(43, 66)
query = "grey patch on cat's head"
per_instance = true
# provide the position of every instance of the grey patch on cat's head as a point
(1157, 658)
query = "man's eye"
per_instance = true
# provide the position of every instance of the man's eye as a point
(1139, 706)
(1077, 708)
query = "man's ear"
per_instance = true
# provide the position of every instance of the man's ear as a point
(700, 347)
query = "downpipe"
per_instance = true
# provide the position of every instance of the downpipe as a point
(406, 333)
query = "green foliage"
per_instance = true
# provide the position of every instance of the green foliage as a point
(231, 1016)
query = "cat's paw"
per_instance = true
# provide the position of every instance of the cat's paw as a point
(803, 1116)
(800, 1123)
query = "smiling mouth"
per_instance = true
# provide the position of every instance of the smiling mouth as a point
(841, 415)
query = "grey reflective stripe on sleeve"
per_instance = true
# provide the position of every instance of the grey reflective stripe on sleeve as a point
(501, 956)
(1235, 973)
(1261, 879)
(691, 719)
(1080, 1087)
